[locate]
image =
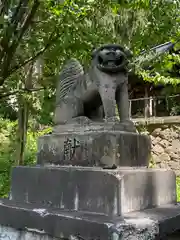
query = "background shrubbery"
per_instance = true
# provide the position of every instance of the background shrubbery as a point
(8, 151)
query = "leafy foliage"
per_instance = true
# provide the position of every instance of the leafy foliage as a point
(8, 146)
(7, 131)
(178, 188)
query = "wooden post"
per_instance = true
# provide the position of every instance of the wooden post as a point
(151, 106)
(154, 106)
(130, 109)
(146, 104)
(167, 106)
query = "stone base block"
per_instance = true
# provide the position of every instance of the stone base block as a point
(49, 223)
(84, 124)
(94, 148)
(94, 190)
(9, 233)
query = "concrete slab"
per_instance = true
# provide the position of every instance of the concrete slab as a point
(110, 192)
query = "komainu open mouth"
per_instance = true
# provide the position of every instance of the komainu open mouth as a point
(111, 59)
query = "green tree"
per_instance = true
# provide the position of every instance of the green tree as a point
(25, 36)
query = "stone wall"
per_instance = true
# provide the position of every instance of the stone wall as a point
(166, 146)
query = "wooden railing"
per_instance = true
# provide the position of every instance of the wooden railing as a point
(154, 107)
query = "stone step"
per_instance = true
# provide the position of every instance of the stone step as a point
(52, 222)
(147, 224)
(110, 192)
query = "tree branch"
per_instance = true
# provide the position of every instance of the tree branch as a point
(19, 11)
(11, 28)
(8, 51)
(7, 69)
(5, 95)
(24, 26)
(49, 43)
(4, 6)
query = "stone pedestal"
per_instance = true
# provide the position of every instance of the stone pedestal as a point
(109, 192)
(90, 203)
(105, 148)
(93, 200)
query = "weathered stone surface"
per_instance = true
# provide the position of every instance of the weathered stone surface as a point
(8, 233)
(166, 147)
(83, 124)
(169, 150)
(150, 224)
(165, 157)
(161, 215)
(175, 145)
(174, 156)
(165, 134)
(94, 148)
(110, 192)
(164, 165)
(164, 143)
(158, 149)
(156, 158)
(156, 132)
(174, 165)
(59, 224)
(156, 141)
(152, 138)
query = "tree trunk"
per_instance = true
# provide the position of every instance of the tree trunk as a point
(23, 116)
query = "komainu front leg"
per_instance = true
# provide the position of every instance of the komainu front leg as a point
(66, 110)
(123, 102)
(109, 103)
(123, 107)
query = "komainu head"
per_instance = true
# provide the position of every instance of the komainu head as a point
(111, 58)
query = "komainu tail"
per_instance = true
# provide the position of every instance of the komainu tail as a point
(68, 78)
